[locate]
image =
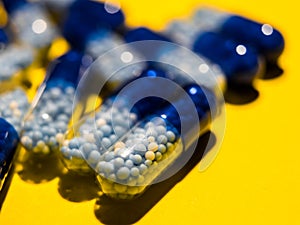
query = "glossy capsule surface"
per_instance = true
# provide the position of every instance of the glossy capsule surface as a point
(266, 39)
(147, 150)
(92, 17)
(9, 139)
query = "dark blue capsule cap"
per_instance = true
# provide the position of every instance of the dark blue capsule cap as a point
(86, 18)
(143, 34)
(3, 37)
(145, 87)
(239, 67)
(199, 98)
(66, 69)
(266, 39)
(12, 5)
(146, 105)
(9, 140)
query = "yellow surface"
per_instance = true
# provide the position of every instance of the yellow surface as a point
(256, 176)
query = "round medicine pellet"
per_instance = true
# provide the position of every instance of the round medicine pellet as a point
(162, 139)
(152, 147)
(140, 148)
(150, 155)
(129, 164)
(108, 168)
(158, 156)
(171, 136)
(118, 162)
(94, 157)
(135, 171)
(143, 169)
(148, 162)
(123, 173)
(137, 159)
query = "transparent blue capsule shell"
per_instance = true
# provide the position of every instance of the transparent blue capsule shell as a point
(99, 130)
(141, 156)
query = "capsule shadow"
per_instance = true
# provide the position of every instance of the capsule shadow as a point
(78, 188)
(273, 70)
(34, 168)
(109, 211)
(6, 185)
(240, 94)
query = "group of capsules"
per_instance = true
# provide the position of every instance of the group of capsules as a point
(126, 143)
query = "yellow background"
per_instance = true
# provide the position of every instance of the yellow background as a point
(255, 179)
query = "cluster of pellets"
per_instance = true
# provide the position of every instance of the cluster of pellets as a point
(13, 59)
(136, 160)
(45, 127)
(13, 107)
(95, 135)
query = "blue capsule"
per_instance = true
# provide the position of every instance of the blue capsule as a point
(8, 144)
(95, 10)
(239, 63)
(146, 156)
(267, 40)
(114, 118)
(86, 18)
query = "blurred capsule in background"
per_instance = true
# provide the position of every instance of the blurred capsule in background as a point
(267, 40)
(239, 64)
(92, 17)
(90, 27)
(14, 59)
(13, 107)
(32, 31)
(30, 23)
(262, 38)
(13, 98)
(193, 68)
